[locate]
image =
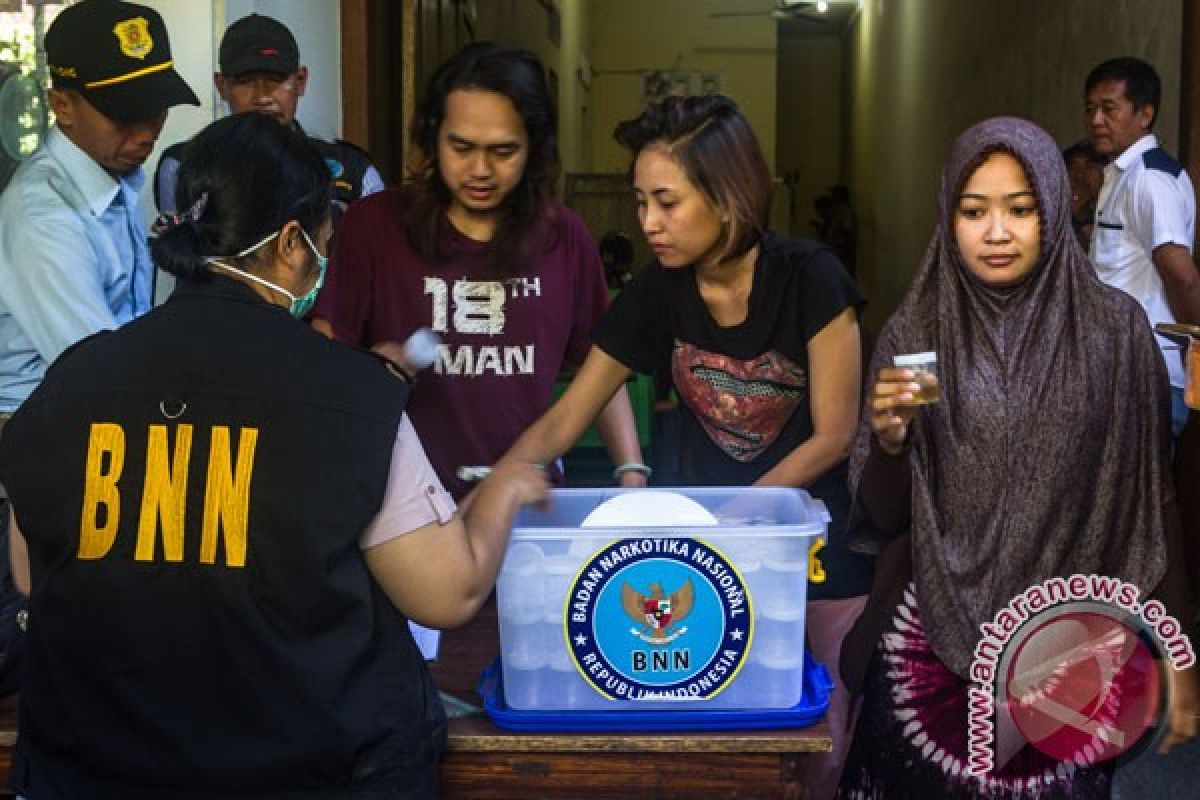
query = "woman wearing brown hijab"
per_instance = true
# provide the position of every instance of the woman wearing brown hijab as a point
(1045, 457)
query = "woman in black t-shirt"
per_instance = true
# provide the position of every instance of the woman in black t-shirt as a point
(760, 335)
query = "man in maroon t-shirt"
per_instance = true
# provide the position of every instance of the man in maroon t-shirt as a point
(478, 250)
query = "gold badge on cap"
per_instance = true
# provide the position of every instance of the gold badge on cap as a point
(134, 37)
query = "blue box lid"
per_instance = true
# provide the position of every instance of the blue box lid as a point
(814, 700)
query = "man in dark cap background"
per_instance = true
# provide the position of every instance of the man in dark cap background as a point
(261, 71)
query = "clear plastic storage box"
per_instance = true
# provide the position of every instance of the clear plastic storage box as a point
(638, 599)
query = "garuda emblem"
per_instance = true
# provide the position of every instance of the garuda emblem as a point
(134, 36)
(658, 614)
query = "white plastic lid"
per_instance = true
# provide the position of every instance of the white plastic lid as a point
(914, 359)
(648, 507)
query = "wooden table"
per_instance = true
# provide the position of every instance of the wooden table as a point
(487, 763)
(483, 762)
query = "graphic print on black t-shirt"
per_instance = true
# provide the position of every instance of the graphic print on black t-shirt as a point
(743, 406)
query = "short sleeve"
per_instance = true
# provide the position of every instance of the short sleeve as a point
(414, 496)
(1161, 214)
(826, 290)
(635, 330)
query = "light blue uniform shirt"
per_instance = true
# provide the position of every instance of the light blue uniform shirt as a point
(74, 260)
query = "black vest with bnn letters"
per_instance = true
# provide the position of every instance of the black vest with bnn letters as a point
(193, 487)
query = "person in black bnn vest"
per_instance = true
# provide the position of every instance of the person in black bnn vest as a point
(225, 521)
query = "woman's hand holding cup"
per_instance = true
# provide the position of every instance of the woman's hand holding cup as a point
(894, 403)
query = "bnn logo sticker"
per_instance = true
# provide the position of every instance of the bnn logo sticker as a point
(659, 619)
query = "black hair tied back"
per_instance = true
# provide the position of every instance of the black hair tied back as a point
(176, 240)
(242, 178)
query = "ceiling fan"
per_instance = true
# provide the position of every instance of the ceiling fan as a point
(784, 10)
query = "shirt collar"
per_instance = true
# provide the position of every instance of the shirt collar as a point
(98, 187)
(1135, 150)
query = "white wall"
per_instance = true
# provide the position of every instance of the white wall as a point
(193, 41)
(194, 30)
(629, 37)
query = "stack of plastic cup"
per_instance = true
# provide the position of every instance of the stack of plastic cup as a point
(522, 634)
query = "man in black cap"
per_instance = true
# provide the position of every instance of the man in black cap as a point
(261, 71)
(73, 249)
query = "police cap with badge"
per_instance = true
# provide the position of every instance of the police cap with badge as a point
(118, 57)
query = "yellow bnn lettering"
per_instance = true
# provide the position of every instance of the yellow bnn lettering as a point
(106, 442)
(227, 496)
(816, 570)
(164, 494)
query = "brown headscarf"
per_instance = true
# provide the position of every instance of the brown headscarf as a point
(1047, 454)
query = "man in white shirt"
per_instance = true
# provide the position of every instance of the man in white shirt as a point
(1146, 212)
(73, 252)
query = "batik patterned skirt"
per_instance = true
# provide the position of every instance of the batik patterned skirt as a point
(910, 742)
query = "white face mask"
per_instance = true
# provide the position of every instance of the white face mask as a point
(299, 305)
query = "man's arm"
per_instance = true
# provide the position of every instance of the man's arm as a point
(1181, 280)
(587, 395)
(1162, 219)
